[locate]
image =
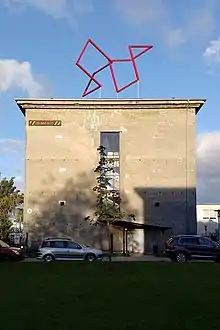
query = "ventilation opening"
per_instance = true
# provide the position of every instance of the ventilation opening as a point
(62, 203)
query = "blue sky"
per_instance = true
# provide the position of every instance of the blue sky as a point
(41, 39)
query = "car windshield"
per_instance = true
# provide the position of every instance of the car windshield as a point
(3, 244)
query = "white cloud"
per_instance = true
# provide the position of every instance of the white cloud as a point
(58, 9)
(212, 52)
(11, 145)
(141, 11)
(19, 182)
(14, 74)
(195, 23)
(208, 169)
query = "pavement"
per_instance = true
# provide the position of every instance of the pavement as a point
(140, 257)
(135, 257)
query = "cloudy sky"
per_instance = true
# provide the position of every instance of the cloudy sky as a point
(41, 39)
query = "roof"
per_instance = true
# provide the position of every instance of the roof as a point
(101, 103)
(137, 225)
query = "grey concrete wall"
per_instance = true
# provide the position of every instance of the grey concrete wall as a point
(157, 164)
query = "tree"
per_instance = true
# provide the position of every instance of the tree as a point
(10, 199)
(214, 236)
(108, 201)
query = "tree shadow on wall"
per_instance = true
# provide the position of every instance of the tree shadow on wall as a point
(60, 212)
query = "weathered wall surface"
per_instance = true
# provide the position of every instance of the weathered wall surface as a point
(157, 165)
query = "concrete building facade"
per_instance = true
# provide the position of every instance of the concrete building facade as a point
(153, 145)
(207, 218)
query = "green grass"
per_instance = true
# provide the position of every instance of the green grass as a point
(129, 295)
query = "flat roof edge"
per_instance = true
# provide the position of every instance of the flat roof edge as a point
(45, 103)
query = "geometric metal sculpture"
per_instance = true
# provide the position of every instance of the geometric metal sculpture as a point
(110, 64)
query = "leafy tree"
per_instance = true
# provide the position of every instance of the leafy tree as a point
(19, 216)
(10, 199)
(108, 202)
(214, 236)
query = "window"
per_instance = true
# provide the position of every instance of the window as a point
(45, 244)
(205, 214)
(205, 242)
(209, 214)
(73, 245)
(212, 215)
(57, 244)
(111, 141)
(189, 241)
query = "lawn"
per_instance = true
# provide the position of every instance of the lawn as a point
(129, 295)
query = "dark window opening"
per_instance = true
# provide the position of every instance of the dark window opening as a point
(157, 204)
(111, 141)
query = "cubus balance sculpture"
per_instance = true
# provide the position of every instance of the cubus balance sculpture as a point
(110, 64)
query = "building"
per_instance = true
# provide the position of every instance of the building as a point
(153, 144)
(207, 218)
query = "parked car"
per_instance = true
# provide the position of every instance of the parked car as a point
(52, 249)
(182, 248)
(8, 253)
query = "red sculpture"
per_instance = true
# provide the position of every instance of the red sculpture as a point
(110, 64)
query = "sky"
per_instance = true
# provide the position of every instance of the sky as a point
(41, 40)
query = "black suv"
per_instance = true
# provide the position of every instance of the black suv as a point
(182, 248)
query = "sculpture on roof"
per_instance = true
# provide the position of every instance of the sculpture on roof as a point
(110, 63)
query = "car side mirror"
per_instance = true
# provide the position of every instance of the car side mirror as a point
(79, 247)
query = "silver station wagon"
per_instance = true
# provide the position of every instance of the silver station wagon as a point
(60, 249)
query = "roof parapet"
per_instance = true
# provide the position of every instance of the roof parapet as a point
(122, 104)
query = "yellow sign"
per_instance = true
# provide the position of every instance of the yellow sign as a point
(45, 123)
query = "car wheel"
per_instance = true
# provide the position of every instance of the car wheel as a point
(90, 257)
(181, 257)
(49, 258)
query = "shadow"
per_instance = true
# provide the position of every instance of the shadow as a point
(167, 207)
(62, 213)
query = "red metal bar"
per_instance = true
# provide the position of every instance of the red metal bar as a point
(146, 48)
(133, 63)
(85, 93)
(110, 64)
